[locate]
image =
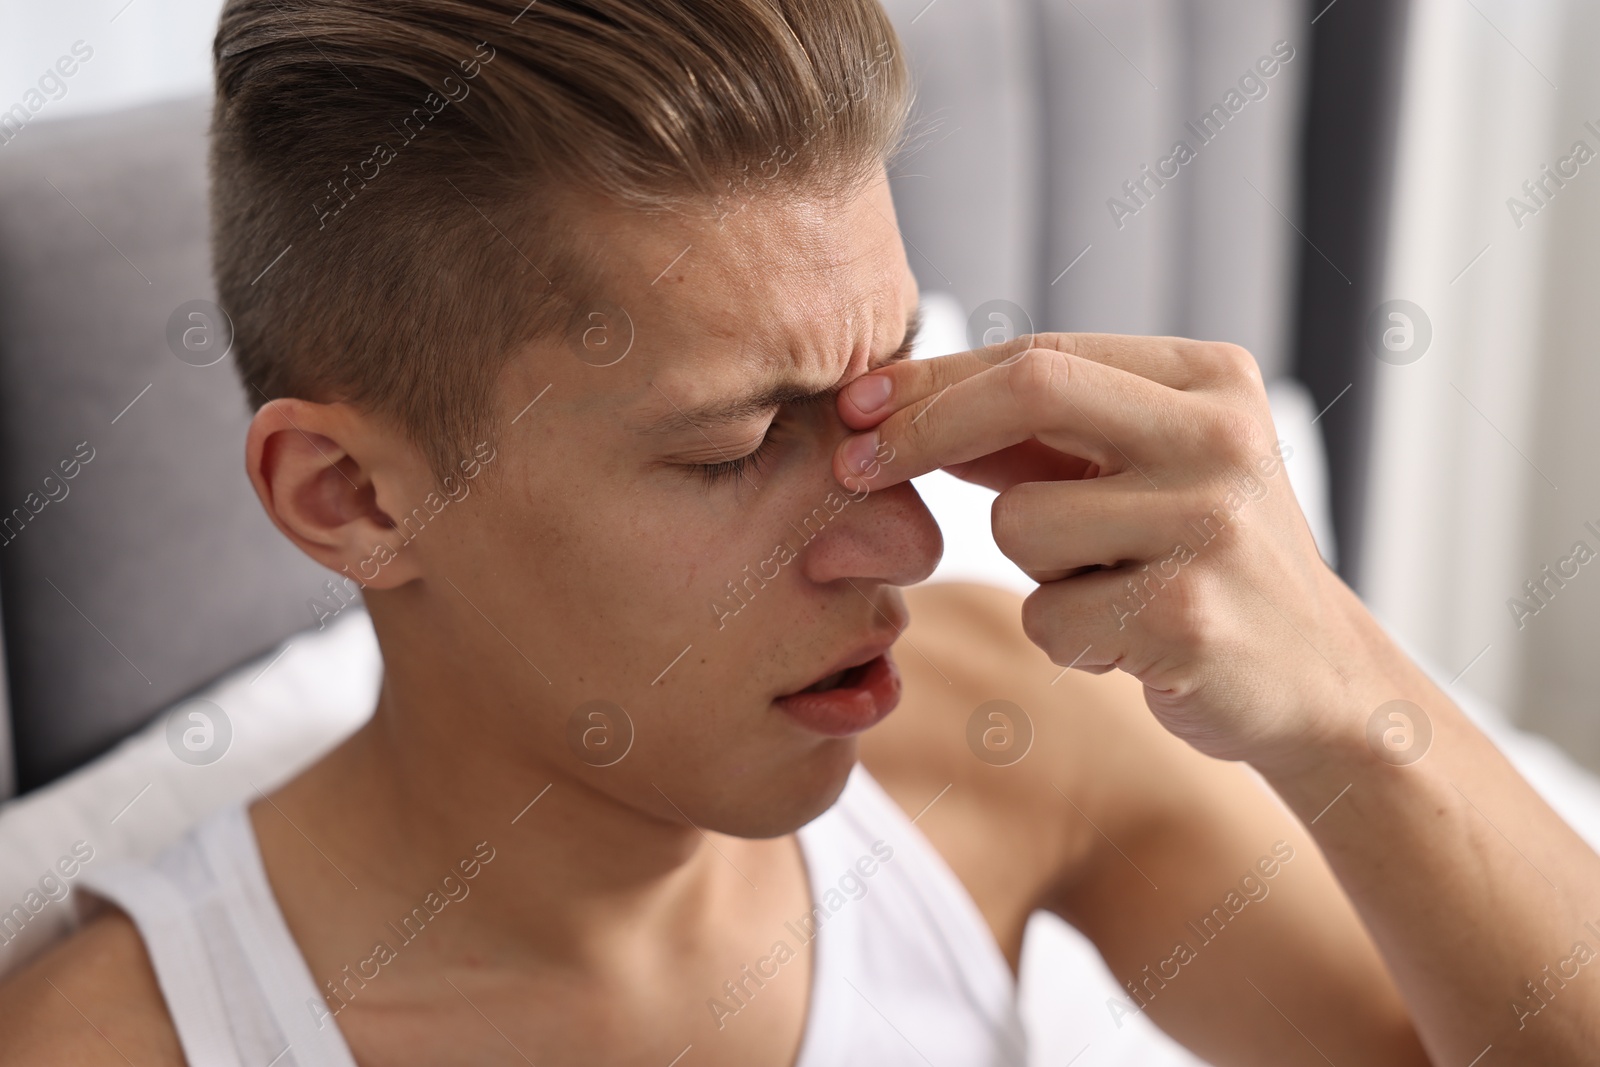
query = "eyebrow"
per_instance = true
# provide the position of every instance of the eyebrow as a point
(738, 409)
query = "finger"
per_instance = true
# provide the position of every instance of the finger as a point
(1096, 621)
(871, 398)
(1176, 362)
(1078, 407)
(1026, 461)
(1070, 619)
(1052, 528)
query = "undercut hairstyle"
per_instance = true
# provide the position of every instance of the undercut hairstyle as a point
(397, 186)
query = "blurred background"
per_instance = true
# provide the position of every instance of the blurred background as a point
(1392, 203)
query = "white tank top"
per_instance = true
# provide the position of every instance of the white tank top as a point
(906, 970)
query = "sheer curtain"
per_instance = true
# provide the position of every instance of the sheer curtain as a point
(1484, 452)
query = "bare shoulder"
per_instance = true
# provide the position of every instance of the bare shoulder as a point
(984, 709)
(90, 1000)
(993, 745)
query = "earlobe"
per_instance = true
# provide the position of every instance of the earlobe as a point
(303, 459)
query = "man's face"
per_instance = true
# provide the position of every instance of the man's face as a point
(616, 568)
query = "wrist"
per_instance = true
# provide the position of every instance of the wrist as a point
(1368, 713)
(1316, 776)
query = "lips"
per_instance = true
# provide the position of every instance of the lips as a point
(857, 693)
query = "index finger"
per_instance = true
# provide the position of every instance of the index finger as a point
(1112, 418)
(1176, 362)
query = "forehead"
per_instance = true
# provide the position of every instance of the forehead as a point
(802, 290)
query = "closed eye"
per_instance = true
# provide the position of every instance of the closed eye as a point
(714, 474)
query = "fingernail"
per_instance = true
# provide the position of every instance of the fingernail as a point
(869, 392)
(860, 450)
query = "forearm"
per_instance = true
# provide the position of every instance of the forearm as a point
(1484, 903)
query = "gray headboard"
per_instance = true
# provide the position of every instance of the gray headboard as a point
(152, 568)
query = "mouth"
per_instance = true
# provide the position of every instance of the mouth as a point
(848, 700)
(840, 679)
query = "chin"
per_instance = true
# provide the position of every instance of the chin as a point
(775, 801)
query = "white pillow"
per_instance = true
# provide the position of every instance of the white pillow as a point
(283, 710)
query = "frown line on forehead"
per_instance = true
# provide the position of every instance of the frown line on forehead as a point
(767, 397)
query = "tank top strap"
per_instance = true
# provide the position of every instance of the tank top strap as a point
(235, 984)
(178, 954)
(905, 965)
(287, 992)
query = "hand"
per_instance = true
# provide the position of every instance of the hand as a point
(1141, 483)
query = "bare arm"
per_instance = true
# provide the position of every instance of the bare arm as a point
(1484, 901)
(90, 1001)
(1218, 913)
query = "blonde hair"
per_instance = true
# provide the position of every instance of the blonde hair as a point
(414, 166)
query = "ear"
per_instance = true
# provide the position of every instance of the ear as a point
(306, 461)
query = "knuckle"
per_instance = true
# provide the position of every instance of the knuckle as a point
(1036, 377)
(1183, 616)
(1053, 342)
(1052, 621)
(1231, 435)
(933, 374)
(920, 377)
(1233, 363)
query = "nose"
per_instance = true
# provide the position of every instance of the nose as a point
(886, 536)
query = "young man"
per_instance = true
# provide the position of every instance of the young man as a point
(584, 359)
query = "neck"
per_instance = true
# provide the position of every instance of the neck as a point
(417, 795)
